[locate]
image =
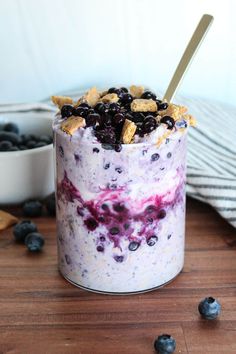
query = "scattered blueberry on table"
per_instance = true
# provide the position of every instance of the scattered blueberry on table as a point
(209, 308)
(34, 242)
(22, 229)
(12, 140)
(50, 204)
(165, 344)
(32, 208)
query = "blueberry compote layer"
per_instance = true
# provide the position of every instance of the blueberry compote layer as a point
(120, 215)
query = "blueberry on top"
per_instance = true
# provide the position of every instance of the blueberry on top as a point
(67, 110)
(169, 121)
(149, 95)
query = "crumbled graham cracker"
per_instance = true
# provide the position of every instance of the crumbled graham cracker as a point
(174, 111)
(128, 131)
(73, 123)
(191, 120)
(143, 105)
(136, 91)
(163, 138)
(110, 98)
(92, 96)
(59, 101)
(6, 220)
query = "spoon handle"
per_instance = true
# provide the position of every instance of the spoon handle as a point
(188, 55)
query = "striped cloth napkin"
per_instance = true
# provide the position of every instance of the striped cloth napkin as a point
(211, 172)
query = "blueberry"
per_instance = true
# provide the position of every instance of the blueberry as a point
(67, 110)
(100, 108)
(155, 157)
(104, 206)
(152, 240)
(61, 151)
(91, 224)
(81, 111)
(149, 124)
(169, 155)
(96, 150)
(25, 138)
(14, 148)
(112, 90)
(106, 136)
(150, 209)
(119, 207)
(92, 119)
(165, 344)
(106, 166)
(209, 308)
(181, 124)
(118, 169)
(9, 136)
(118, 119)
(22, 229)
(119, 259)
(5, 145)
(50, 204)
(68, 259)
(114, 230)
(45, 138)
(138, 117)
(102, 238)
(162, 106)
(124, 90)
(84, 104)
(11, 127)
(169, 121)
(149, 95)
(32, 208)
(161, 214)
(34, 241)
(31, 144)
(100, 248)
(113, 108)
(139, 130)
(126, 98)
(118, 147)
(133, 246)
(40, 144)
(22, 147)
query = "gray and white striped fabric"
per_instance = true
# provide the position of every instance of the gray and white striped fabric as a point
(211, 173)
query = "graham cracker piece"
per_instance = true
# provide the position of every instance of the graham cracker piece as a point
(6, 220)
(136, 91)
(192, 121)
(128, 131)
(174, 111)
(110, 98)
(73, 123)
(143, 105)
(92, 96)
(59, 101)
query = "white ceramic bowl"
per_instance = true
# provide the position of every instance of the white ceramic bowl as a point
(29, 173)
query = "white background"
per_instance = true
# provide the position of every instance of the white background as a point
(53, 46)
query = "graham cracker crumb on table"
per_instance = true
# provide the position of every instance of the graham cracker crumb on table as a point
(6, 220)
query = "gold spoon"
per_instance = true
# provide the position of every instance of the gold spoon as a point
(188, 55)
